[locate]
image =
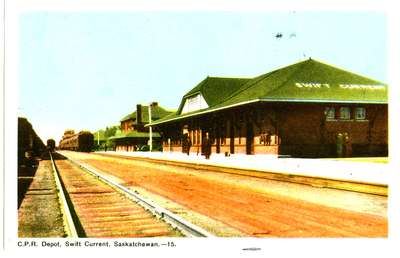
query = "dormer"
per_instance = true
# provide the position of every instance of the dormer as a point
(193, 103)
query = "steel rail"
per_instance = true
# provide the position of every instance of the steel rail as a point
(69, 224)
(187, 228)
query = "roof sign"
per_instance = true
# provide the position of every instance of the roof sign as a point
(311, 85)
(362, 86)
(342, 86)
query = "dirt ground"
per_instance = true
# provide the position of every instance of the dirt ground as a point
(251, 206)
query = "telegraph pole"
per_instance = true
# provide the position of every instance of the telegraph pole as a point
(150, 130)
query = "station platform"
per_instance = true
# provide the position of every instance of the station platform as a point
(39, 214)
(351, 171)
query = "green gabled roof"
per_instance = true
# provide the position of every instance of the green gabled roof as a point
(310, 81)
(306, 81)
(156, 113)
(215, 89)
(134, 134)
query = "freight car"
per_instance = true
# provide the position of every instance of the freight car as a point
(51, 145)
(82, 141)
(29, 144)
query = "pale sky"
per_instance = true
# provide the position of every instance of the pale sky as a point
(87, 70)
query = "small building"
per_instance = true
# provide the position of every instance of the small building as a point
(308, 109)
(133, 134)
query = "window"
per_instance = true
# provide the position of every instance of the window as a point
(345, 113)
(360, 113)
(330, 113)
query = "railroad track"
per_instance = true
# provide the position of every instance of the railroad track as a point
(96, 206)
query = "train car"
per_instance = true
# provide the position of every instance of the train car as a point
(82, 141)
(51, 144)
(29, 143)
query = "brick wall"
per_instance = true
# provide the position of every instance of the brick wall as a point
(306, 132)
(299, 130)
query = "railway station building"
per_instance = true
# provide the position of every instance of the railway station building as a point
(134, 134)
(308, 109)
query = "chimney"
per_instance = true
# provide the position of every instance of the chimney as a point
(138, 114)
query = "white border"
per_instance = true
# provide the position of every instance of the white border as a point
(225, 247)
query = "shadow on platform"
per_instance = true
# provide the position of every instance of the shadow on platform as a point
(27, 170)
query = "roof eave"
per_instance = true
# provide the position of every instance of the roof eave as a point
(325, 101)
(202, 112)
(269, 100)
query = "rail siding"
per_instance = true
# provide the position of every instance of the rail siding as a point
(67, 217)
(187, 228)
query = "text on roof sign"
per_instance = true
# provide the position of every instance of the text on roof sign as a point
(312, 85)
(362, 86)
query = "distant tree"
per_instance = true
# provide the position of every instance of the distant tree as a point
(110, 131)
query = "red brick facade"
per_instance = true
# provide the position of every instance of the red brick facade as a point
(298, 130)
